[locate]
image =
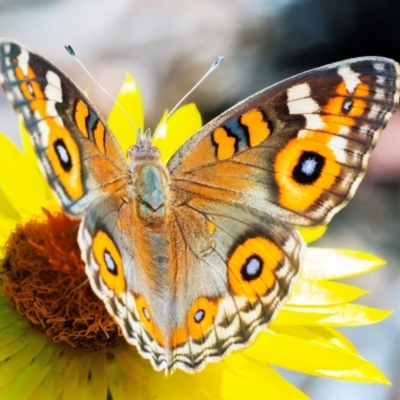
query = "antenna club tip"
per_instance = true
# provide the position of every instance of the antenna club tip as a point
(217, 61)
(70, 49)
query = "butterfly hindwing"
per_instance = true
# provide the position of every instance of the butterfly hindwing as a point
(233, 270)
(298, 149)
(226, 279)
(75, 148)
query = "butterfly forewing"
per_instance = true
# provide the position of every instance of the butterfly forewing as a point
(298, 149)
(67, 132)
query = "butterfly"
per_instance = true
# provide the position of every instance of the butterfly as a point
(195, 257)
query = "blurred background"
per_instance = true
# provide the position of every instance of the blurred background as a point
(167, 46)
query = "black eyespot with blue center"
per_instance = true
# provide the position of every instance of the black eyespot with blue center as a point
(110, 263)
(63, 155)
(308, 168)
(199, 316)
(252, 268)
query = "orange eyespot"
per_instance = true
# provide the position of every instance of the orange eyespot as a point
(64, 157)
(199, 320)
(304, 169)
(109, 259)
(146, 319)
(251, 266)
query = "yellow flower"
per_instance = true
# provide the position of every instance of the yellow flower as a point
(46, 355)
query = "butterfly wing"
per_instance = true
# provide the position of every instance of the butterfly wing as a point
(292, 154)
(297, 150)
(232, 270)
(79, 156)
(228, 273)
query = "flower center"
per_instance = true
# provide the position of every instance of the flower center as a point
(44, 278)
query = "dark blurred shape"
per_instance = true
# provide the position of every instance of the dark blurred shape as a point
(311, 33)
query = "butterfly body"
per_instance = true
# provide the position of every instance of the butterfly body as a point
(194, 258)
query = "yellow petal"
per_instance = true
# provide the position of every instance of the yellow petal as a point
(301, 316)
(46, 389)
(27, 354)
(343, 315)
(365, 373)
(72, 389)
(337, 264)
(23, 386)
(301, 349)
(98, 373)
(323, 293)
(130, 100)
(354, 314)
(247, 379)
(313, 233)
(7, 210)
(180, 126)
(27, 145)
(160, 124)
(19, 181)
(118, 382)
(6, 227)
(332, 336)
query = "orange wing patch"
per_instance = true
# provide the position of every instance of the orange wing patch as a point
(81, 113)
(99, 136)
(342, 108)
(225, 144)
(258, 129)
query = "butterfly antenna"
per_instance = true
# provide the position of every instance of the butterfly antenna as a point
(214, 65)
(71, 51)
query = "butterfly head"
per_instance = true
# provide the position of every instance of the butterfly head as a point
(143, 149)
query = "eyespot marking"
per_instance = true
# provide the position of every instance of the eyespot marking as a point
(200, 319)
(308, 168)
(63, 155)
(109, 260)
(304, 169)
(251, 266)
(146, 318)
